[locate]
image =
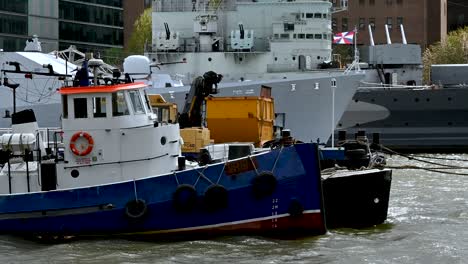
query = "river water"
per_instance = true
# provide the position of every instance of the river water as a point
(427, 223)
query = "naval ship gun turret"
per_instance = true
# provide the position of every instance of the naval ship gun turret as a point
(206, 27)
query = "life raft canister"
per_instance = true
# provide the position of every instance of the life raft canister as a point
(86, 136)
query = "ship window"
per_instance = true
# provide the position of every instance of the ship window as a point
(294, 35)
(81, 107)
(324, 15)
(65, 106)
(309, 15)
(99, 107)
(317, 15)
(276, 36)
(301, 36)
(119, 105)
(318, 36)
(136, 102)
(325, 36)
(288, 27)
(148, 105)
(309, 36)
(284, 36)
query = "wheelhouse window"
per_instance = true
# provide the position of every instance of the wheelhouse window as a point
(99, 107)
(147, 100)
(137, 104)
(65, 106)
(80, 106)
(119, 104)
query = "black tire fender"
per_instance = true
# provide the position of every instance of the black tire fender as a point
(136, 209)
(216, 197)
(184, 197)
(264, 184)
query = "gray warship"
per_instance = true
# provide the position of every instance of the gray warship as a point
(279, 44)
(409, 116)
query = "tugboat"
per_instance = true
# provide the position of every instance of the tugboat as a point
(117, 171)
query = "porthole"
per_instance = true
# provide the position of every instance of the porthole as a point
(450, 123)
(163, 141)
(450, 98)
(293, 58)
(416, 99)
(357, 124)
(395, 100)
(276, 58)
(427, 99)
(372, 100)
(154, 59)
(356, 100)
(75, 173)
(406, 124)
(240, 59)
(340, 125)
(209, 59)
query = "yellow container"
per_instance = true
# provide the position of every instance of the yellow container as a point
(194, 138)
(241, 119)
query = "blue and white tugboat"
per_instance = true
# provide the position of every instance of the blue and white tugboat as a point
(118, 171)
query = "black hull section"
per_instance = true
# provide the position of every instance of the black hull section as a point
(357, 199)
(424, 120)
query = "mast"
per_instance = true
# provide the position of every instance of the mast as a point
(355, 64)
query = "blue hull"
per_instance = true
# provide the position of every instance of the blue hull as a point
(294, 203)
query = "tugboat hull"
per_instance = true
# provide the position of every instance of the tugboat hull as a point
(277, 192)
(357, 199)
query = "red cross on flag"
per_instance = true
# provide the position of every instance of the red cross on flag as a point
(343, 38)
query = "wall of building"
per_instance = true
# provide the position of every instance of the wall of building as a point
(424, 21)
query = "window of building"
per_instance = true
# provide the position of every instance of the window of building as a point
(389, 2)
(14, 24)
(91, 14)
(137, 104)
(90, 33)
(344, 24)
(15, 6)
(390, 23)
(371, 2)
(399, 21)
(119, 104)
(99, 107)
(334, 26)
(65, 106)
(80, 106)
(361, 2)
(372, 22)
(399, 2)
(362, 23)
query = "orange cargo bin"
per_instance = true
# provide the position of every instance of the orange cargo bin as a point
(240, 119)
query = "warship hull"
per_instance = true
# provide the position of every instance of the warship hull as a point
(411, 120)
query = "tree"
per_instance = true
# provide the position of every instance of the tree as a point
(141, 33)
(452, 50)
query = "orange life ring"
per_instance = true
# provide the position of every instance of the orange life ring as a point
(85, 135)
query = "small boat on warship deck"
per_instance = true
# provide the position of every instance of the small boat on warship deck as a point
(120, 172)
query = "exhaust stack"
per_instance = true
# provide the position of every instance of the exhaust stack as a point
(371, 37)
(387, 33)
(403, 36)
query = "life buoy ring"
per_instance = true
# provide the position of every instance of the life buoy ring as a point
(184, 198)
(86, 136)
(136, 209)
(264, 184)
(216, 197)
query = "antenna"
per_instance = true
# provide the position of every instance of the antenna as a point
(403, 36)
(387, 33)
(371, 37)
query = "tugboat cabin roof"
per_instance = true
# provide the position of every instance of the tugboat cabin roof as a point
(101, 89)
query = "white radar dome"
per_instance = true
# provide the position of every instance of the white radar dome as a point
(138, 66)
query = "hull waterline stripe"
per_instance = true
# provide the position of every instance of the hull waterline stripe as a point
(218, 225)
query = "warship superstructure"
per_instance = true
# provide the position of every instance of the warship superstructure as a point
(279, 44)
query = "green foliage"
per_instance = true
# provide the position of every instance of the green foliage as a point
(114, 56)
(141, 35)
(344, 53)
(452, 50)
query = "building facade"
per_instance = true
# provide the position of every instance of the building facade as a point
(91, 25)
(132, 10)
(424, 21)
(457, 14)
